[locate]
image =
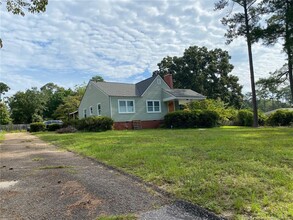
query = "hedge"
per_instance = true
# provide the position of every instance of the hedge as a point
(191, 119)
(245, 118)
(280, 118)
(95, 123)
(37, 126)
(53, 127)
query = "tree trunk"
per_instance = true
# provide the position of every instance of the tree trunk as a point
(248, 40)
(289, 49)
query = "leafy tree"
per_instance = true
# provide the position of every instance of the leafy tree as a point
(71, 103)
(3, 88)
(273, 92)
(279, 25)
(227, 114)
(4, 114)
(97, 79)
(18, 7)
(53, 96)
(205, 71)
(24, 105)
(244, 24)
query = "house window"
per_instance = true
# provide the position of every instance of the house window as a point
(126, 106)
(153, 106)
(84, 113)
(99, 109)
(91, 110)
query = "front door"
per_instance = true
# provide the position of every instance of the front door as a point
(171, 106)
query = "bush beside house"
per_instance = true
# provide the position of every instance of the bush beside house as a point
(191, 119)
(95, 123)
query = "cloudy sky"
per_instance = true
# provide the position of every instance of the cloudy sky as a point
(120, 40)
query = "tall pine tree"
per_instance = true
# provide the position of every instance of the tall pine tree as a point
(243, 24)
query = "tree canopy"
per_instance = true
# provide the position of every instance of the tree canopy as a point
(204, 71)
(53, 96)
(97, 78)
(24, 105)
(3, 89)
(279, 26)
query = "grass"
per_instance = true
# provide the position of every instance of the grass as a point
(2, 133)
(37, 159)
(236, 172)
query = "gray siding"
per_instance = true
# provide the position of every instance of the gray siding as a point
(92, 97)
(154, 92)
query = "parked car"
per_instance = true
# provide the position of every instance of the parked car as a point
(49, 122)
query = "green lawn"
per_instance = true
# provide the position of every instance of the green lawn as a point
(239, 173)
(2, 133)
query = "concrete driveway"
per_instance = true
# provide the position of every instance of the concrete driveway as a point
(40, 181)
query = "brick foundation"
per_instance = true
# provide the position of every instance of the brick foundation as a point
(128, 125)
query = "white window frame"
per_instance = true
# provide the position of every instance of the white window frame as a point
(84, 113)
(153, 101)
(91, 111)
(99, 111)
(126, 100)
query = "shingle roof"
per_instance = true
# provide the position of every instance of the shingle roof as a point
(184, 93)
(143, 85)
(124, 89)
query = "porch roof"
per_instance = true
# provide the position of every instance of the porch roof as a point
(182, 94)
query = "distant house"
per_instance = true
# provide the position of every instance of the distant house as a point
(131, 106)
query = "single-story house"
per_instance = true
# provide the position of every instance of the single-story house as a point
(134, 106)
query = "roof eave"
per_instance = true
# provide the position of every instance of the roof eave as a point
(184, 98)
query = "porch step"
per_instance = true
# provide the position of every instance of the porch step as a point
(136, 124)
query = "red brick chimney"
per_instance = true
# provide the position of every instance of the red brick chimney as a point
(169, 80)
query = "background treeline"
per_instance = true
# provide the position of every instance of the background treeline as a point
(35, 105)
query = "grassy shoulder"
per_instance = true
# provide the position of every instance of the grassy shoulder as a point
(2, 133)
(235, 172)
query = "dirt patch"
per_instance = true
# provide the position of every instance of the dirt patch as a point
(84, 200)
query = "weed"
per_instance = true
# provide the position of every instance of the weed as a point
(38, 159)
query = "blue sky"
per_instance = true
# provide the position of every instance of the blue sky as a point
(120, 40)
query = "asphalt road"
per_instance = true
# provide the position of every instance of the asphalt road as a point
(40, 181)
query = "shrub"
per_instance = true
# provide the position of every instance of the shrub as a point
(227, 115)
(96, 123)
(68, 129)
(53, 127)
(72, 122)
(178, 119)
(191, 119)
(245, 118)
(37, 126)
(208, 119)
(280, 118)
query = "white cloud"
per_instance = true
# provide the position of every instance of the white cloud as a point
(120, 40)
